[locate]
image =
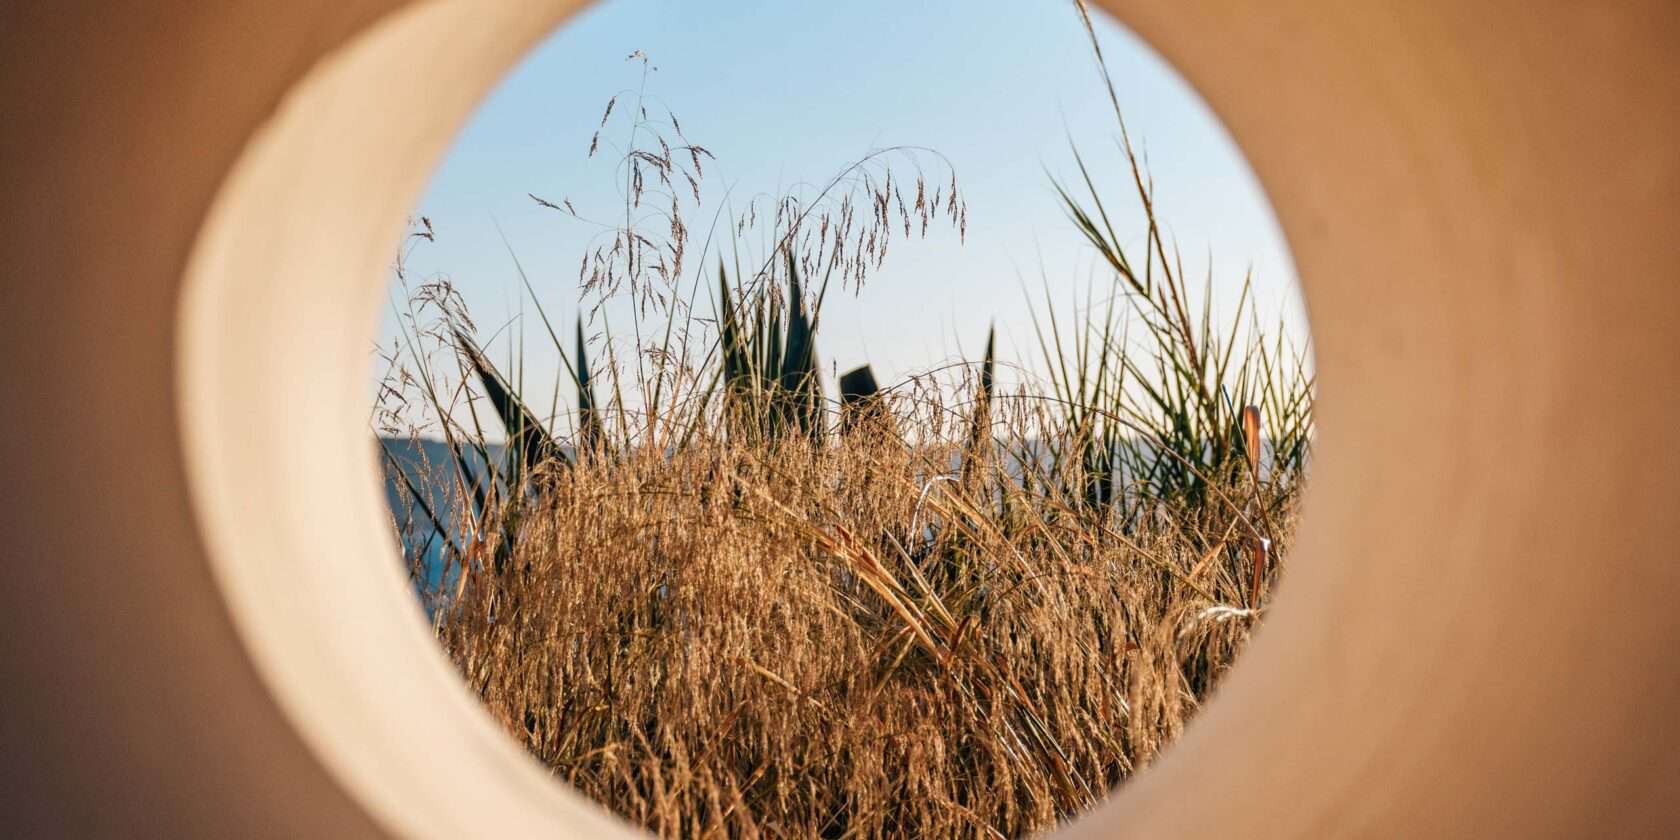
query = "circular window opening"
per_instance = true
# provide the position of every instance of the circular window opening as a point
(882, 431)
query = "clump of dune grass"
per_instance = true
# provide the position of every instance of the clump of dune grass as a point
(789, 641)
(718, 602)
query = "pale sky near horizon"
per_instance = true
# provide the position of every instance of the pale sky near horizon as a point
(790, 92)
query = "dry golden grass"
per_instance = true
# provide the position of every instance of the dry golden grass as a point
(748, 640)
(951, 611)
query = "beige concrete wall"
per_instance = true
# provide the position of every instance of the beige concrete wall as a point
(198, 638)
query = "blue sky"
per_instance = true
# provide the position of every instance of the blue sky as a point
(787, 92)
